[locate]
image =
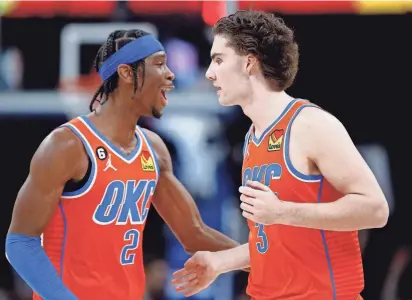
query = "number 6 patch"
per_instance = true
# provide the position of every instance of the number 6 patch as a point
(101, 153)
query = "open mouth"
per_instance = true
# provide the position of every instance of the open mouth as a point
(164, 90)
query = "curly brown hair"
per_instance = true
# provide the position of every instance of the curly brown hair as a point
(266, 36)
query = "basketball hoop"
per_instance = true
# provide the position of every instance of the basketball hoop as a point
(76, 93)
(87, 84)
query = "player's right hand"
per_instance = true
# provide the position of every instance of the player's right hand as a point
(198, 273)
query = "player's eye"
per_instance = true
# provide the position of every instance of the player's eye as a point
(218, 61)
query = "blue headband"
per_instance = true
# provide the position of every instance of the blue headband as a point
(131, 52)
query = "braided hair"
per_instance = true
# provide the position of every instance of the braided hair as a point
(116, 40)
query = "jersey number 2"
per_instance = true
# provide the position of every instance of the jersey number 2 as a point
(263, 245)
(133, 236)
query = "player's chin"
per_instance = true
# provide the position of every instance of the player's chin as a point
(224, 101)
(157, 112)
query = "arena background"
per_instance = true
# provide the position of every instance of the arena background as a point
(355, 62)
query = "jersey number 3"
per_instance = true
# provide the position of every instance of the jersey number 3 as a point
(133, 236)
(263, 245)
(265, 174)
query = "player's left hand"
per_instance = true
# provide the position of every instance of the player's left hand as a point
(260, 204)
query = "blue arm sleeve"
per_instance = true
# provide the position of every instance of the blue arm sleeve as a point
(28, 258)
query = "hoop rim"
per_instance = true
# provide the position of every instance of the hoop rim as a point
(88, 83)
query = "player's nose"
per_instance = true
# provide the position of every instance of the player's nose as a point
(170, 75)
(210, 74)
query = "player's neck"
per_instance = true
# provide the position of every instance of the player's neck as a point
(117, 122)
(264, 107)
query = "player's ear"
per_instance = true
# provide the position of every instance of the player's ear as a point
(125, 73)
(251, 63)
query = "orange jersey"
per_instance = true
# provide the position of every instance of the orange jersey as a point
(290, 262)
(95, 237)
